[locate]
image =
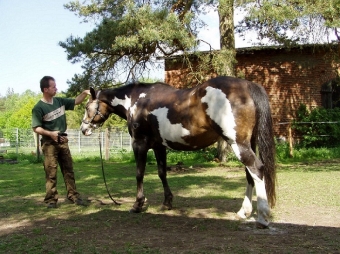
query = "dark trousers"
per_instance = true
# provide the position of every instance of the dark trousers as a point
(55, 154)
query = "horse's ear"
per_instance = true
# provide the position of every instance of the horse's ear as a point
(93, 93)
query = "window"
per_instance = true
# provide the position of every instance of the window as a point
(330, 94)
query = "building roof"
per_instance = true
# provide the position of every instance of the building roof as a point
(252, 50)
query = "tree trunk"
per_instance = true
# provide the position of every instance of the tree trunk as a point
(223, 149)
(225, 64)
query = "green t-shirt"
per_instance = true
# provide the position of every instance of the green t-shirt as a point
(52, 116)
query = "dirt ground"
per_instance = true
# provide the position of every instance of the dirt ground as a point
(111, 229)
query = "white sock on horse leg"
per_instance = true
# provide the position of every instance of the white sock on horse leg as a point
(262, 201)
(247, 207)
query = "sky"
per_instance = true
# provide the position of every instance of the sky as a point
(30, 32)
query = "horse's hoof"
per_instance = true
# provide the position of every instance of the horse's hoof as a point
(241, 215)
(135, 210)
(166, 207)
(261, 226)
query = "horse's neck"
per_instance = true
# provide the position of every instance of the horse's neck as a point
(119, 101)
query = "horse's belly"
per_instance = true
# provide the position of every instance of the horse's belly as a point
(190, 142)
(191, 134)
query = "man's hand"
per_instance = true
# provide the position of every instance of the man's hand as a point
(62, 137)
(81, 97)
(54, 135)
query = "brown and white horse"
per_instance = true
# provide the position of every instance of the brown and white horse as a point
(160, 117)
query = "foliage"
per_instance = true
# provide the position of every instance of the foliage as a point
(291, 21)
(16, 112)
(319, 127)
(128, 37)
(17, 109)
(303, 154)
(314, 154)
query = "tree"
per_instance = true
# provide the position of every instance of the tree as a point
(17, 109)
(128, 37)
(224, 61)
(292, 22)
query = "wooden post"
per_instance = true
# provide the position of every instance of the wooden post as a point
(121, 140)
(17, 141)
(79, 142)
(290, 140)
(107, 139)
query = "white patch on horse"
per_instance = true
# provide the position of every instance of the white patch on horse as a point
(262, 201)
(126, 103)
(167, 130)
(133, 109)
(219, 110)
(247, 206)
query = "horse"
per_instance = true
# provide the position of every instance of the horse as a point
(160, 116)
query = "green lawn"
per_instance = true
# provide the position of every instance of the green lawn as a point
(206, 193)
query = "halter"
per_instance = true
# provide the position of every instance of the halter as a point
(95, 114)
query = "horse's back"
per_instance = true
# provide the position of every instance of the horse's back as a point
(231, 86)
(230, 106)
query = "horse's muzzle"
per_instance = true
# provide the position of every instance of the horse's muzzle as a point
(87, 132)
(86, 129)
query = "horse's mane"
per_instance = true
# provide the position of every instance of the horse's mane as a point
(133, 85)
(144, 84)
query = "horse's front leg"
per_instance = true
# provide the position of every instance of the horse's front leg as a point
(140, 151)
(160, 154)
(247, 206)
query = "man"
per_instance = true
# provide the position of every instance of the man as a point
(49, 120)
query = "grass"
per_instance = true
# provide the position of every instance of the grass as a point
(204, 157)
(207, 196)
(305, 154)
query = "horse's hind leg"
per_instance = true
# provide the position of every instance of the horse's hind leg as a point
(255, 169)
(160, 154)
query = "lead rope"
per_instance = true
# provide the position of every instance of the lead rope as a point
(101, 160)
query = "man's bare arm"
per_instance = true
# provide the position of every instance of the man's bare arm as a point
(81, 97)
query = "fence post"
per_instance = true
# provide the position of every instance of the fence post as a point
(107, 138)
(17, 141)
(78, 141)
(121, 140)
(102, 139)
(290, 140)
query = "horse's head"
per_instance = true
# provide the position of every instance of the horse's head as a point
(95, 113)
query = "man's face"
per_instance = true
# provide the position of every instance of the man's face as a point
(52, 89)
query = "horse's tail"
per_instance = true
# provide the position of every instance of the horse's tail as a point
(265, 139)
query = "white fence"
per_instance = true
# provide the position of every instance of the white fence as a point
(25, 141)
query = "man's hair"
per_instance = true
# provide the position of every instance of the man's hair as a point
(44, 82)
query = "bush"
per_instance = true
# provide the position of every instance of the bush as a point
(316, 127)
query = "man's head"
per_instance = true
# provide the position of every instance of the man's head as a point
(48, 85)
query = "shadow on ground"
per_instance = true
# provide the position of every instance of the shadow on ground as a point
(112, 231)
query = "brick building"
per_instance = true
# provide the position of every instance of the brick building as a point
(301, 75)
